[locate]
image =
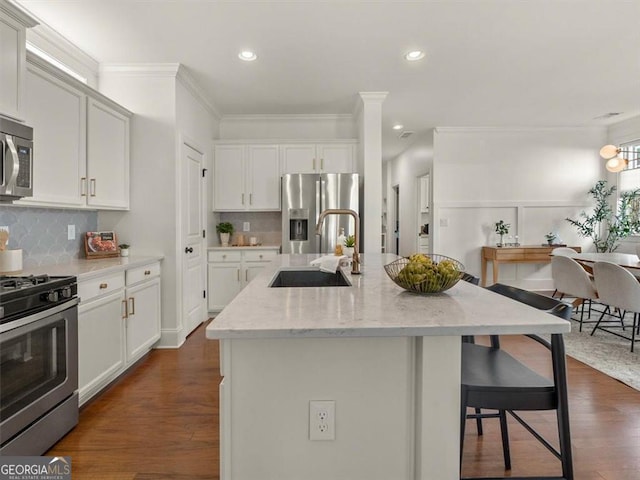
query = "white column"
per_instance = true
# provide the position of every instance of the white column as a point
(370, 167)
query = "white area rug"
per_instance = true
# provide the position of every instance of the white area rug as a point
(605, 352)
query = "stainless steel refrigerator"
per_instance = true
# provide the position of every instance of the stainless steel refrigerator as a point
(304, 196)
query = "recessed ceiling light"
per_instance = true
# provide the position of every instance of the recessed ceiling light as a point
(398, 127)
(414, 55)
(247, 56)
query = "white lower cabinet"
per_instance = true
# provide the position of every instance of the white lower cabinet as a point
(142, 311)
(100, 342)
(230, 270)
(118, 322)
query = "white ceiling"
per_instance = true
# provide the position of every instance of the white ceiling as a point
(489, 63)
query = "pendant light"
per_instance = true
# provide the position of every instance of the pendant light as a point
(614, 157)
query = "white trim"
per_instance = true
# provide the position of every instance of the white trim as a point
(279, 141)
(19, 13)
(170, 338)
(185, 77)
(510, 204)
(141, 69)
(560, 129)
(289, 116)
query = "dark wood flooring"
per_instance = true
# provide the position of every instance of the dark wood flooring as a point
(161, 422)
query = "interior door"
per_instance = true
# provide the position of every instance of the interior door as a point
(192, 250)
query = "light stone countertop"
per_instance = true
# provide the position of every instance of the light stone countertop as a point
(85, 269)
(373, 306)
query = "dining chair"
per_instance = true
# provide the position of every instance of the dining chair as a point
(619, 289)
(561, 251)
(572, 280)
(493, 379)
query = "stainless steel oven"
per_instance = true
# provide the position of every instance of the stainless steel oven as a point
(16, 160)
(38, 364)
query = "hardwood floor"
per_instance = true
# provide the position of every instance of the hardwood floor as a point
(161, 422)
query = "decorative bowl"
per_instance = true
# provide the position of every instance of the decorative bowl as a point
(425, 273)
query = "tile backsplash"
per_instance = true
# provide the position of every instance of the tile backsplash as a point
(41, 233)
(266, 226)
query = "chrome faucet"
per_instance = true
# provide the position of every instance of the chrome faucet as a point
(355, 262)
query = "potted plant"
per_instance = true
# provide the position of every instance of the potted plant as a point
(606, 226)
(124, 249)
(225, 230)
(502, 229)
(550, 237)
(349, 245)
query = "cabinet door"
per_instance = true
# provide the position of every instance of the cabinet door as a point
(107, 157)
(12, 67)
(335, 158)
(100, 343)
(263, 177)
(251, 270)
(424, 194)
(229, 178)
(143, 318)
(59, 131)
(224, 283)
(299, 158)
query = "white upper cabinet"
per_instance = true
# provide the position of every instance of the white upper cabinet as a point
(318, 158)
(246, 177)
(424, 194)
(80, 144)
(59, 139)
(107, 181)
(13, 24)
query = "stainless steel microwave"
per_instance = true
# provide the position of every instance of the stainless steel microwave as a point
(16, 172)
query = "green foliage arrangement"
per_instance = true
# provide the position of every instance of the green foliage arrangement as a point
(606, 226)
(225, 227)
(350, 241)
(502, 228)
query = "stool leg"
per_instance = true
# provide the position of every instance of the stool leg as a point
(479, 421)
(505, 439)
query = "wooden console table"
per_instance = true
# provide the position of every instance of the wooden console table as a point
(522, 254)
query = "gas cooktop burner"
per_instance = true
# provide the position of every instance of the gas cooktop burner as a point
(13, 283)
(23, 295)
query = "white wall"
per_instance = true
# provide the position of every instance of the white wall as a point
(404, 171)
(162, 107)
(530, 178)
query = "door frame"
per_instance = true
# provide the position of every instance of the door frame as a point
(185, 140)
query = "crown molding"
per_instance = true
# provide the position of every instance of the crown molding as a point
(602, 128)
(48, 40)
(141, 69)
(286, 116)
(19, 14)
(185, 77)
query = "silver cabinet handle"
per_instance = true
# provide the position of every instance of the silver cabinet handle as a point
(126, 309)
(132, 302)
(238, 272)
(314, 164)
(147, 272)
(246, 275)
(83, 187)
(103, 286)
(251, 199)
(92, 185)
(243, 199)
(322, 164)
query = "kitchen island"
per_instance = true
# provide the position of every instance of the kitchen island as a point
(389, 359)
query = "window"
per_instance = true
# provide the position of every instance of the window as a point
(629, 181)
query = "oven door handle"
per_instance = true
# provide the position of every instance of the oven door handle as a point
(5, 327)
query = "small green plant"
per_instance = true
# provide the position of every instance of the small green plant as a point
(124, 246)
(350, 241)
(502, 228)
(550, 237)
(606, 226)
(225, 227)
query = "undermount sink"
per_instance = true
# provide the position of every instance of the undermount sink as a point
(309, 278)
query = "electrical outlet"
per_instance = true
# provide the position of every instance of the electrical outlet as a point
(246, 227)
(444, 222)
(71, 232)
(322, 420)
